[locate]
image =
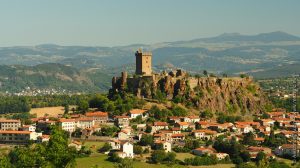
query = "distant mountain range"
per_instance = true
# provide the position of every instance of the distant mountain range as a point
(263, 55)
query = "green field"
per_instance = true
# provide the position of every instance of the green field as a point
(100, 160)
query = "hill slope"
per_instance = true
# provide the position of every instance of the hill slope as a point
(14, 78)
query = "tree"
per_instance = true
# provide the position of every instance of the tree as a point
(106, 147)
(137, 149)
(170, 158)
(58, 152)
(248, 139)
(66, 108)
(158, 156)
(4, 162)
(148, 129)
(146, 140)
(205, 73)
(179, 111)
(125, 163)
(260, 156)
(82, 106)
(206, 114)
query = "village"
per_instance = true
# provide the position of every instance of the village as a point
(168, 135)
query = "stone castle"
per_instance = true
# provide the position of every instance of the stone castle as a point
(213, 93)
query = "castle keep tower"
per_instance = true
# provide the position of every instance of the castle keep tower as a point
(143, 63)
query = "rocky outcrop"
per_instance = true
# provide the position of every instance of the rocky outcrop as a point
(229, 95)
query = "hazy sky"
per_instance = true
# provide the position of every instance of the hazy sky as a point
(123, 22)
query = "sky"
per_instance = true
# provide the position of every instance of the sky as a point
(125, 22)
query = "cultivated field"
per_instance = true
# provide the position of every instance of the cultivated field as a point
(51, 111)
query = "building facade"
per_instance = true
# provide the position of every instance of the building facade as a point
(10, 124)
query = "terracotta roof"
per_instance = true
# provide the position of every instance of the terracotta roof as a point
(84, 119)
(257, 148)
(267, 120)
(175, 129)
(7, 120)
(66, 120)
(160, 124)
(182, 123)
(206, 148)
(177, 135)
(137, 111)
(121, 117)
(14, 132)
(46, 136)
(287, 146)
(96, 114)
(76, 142)
(259, 139)
(206, 131)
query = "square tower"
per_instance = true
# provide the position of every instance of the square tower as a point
(143, 63)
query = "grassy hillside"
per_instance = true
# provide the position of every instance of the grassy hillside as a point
(50, 76)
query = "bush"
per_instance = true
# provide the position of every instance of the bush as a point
(106, 147)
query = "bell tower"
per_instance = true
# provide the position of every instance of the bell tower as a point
(143, 63)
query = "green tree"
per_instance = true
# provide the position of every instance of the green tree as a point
(137, 149)
(106, 147)
(125, 163)
(158, 156)
(205, 73)
(248, 139)
(146, 140)
(4, 162)
(206, 114)
(66, 109)
(58, 152)
(82, 106)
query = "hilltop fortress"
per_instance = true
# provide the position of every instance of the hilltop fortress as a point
(230, 95)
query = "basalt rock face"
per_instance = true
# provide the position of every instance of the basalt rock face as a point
(228, 95)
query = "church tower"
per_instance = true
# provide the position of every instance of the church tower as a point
(143, 63)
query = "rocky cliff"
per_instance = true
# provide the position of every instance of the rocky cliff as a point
(229, 95)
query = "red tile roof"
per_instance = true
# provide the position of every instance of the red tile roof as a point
(137, 111)
(7, 120)
(206, 131)
(160, 124)
(121, 117)
(14, 132)
(177, 135)
(66, 120)
(97, 114)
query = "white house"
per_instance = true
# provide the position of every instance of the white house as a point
(167, 146)
(204, 150)
(159, 126)
(127, 150)
(137, 112)
(204, 134)
(84, 123)
(191, 119)
(221, 156)
(124, 134)
(76, 144)
(67, 124)
(30, 128)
